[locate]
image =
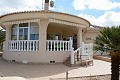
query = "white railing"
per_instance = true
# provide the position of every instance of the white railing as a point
(57, 45)
(24, 45)
(87, 51)
(77, 54)
(84, 52)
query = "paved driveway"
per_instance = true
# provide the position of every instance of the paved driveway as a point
(44, 72)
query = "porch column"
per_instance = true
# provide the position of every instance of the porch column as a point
(43, 24)
(79, 37)
(8, 35)
(72, 60)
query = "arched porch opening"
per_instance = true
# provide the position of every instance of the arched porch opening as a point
(62, 32)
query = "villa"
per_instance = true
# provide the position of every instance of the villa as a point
(47, 37)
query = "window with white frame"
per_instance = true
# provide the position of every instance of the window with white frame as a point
(25, 31)
(34, 31)
(14, 32)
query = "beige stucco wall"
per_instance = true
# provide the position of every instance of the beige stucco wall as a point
(42, 55)
(36, 56)
(90, 35)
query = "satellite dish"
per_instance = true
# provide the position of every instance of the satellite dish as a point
(51, 3)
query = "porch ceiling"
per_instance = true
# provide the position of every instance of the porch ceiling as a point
(62, 26)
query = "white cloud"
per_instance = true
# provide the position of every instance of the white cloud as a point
(7, 6)
(95, 4)
(60, 9)
(110, 18)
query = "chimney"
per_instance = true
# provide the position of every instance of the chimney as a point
(46, 6)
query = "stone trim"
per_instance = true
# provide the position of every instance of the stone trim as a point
(21, 21)
(66, 23)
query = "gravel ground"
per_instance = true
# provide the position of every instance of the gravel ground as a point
(51, 71)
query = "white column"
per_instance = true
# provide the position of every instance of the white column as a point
(72, 52)
(79, 37)
(79, 41)
(8, 35)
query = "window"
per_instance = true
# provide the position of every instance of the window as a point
(88, 39)
(14, 32)
(34, 31)
(25, 31)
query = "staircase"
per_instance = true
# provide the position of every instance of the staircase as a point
(67, 61)
(78, 62)
(79, 56)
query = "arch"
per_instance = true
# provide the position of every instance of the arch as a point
(14, 32)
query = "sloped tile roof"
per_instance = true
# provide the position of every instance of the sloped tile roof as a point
(42, 11)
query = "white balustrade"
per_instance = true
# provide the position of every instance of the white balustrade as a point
(24, 45)
(87, 51)
(57, 45)
(84, 52)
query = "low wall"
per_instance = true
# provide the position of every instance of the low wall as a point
(95, 77)
(102, 58)
(36, 56)
(12, 78)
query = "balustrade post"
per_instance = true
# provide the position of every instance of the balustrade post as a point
(63, 46)
(27, 45)
(33, 45)
(47, 43)
(51, 45)
(54, 45)
(37, 45)
(60, 45)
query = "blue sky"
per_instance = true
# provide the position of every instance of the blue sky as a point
(98, 12)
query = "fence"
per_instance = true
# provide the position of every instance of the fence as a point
(97, 77)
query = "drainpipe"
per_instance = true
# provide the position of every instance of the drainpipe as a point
(86, 29)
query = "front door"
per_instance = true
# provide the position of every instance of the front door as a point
(75, 41)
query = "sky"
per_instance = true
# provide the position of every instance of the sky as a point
(97, 12)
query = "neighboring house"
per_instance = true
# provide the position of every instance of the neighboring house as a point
(90, 35)
(46, 36)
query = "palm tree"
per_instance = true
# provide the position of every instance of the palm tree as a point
(109, 40)
(2, 38)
